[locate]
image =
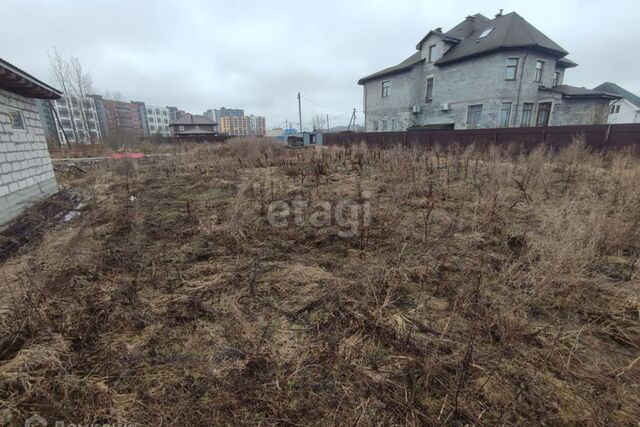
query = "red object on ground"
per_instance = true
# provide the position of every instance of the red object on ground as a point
(116, 156)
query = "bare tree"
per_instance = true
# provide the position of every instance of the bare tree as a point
(60, 70)
(81, 83)
(318, 122)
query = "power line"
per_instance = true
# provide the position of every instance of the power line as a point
(326, 108)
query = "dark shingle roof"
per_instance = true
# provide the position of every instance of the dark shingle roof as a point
(617, 90)
(509, 31)
(405, 65)
(18, 81)
(192, 119)
(580, 92)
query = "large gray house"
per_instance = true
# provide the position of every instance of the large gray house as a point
(483, 73)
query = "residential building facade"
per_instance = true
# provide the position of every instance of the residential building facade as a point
(227, 112)
(243, 125)
(123, 119)
(158, 120)
(26, 173)
(75, 120)
(483, 73)
(624, 110)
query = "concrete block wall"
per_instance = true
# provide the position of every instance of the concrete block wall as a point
(26, 173)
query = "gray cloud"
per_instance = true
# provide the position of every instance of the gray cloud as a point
(258, 54)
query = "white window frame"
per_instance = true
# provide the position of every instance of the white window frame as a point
(508, 114)
(432, 53)
(532, 116)
(515, 69)
(538, 78)
(24, 124)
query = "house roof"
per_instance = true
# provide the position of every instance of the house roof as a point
(192, 119)
(574, 92)
(405, 65)
(617, 90)
(566, 63)
(22, 83)
(508, 31)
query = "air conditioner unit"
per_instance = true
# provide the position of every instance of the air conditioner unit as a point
(415, 109)
(445, 107)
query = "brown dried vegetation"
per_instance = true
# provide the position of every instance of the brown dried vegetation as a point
(489, 288)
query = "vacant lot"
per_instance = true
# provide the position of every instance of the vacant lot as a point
(448, 287)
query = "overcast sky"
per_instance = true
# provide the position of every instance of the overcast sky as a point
(257, 55)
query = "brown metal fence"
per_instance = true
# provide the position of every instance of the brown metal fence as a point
(595, 136)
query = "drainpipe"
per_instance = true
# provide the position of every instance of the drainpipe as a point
(515, 115)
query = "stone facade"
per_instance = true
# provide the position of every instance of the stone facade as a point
(480, 83)
(477, 81)
(26, 173)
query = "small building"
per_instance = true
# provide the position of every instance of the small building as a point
(191, 126)
(26, 173)
(624, 110)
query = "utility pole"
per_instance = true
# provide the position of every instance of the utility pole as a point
(300, 111)
(328, 127)
(352, 119)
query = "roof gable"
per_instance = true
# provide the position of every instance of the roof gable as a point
(617, 90)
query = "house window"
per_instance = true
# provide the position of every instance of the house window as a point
(181, 128)
(375, 126)
(394, 124)
(432, 53)
(197, 127)
(512, 69)
(505, 114)
(612, 110)
(15, 118)
(385, 124)
(544, 113)
(386, 87)
(474, 114)
(429, 97)
(617, 108)
(539, 70)
(556, 78)
(527, 114)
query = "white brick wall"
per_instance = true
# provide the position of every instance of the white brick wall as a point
(26, 173)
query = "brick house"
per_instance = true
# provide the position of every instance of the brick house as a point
(26, 173)
(483, 73)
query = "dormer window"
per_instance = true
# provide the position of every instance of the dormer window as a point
(432, 53)
(485, 33)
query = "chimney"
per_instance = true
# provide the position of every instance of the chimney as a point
(470, 18)
(438, 30)
(499, 14)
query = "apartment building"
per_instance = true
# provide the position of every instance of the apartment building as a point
(227, 112)
(158, 119)
(243, 125)
(75, 120)
(123, 119)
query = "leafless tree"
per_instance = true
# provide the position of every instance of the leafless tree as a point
(60, 70)
(81, 83)
(318, 122)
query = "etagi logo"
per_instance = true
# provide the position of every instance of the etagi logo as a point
(35, 421)
(38, 421)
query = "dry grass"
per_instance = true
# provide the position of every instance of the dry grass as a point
(487, 289)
